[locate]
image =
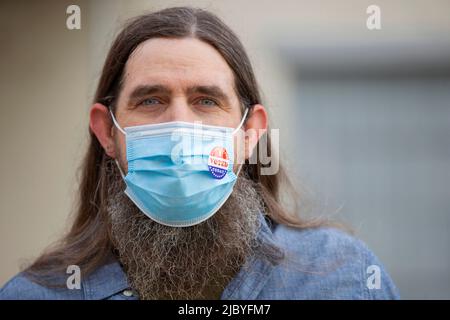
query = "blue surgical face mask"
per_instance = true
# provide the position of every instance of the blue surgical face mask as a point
(179, 173)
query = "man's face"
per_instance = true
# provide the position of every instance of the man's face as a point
(175, 80)
(179, 80)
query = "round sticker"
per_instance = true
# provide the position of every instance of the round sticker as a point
(218, 162)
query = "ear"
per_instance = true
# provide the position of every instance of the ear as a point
(255, 127)
(101, 125)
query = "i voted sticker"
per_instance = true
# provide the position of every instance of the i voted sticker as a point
(218, 162)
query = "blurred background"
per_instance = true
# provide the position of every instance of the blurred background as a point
(364, 117)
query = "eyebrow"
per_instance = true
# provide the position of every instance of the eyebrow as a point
(145, 90)
(213, 91)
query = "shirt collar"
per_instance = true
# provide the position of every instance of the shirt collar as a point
(106, 281)
(110, 279)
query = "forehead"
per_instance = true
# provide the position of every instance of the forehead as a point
(177, 63)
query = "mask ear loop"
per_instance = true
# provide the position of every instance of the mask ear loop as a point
(244, 117)
(116, 124)
(120, 169)
(123, 131)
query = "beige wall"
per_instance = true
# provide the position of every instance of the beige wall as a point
(43, 114)
(48, 75)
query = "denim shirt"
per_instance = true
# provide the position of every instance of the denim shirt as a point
(319, 263)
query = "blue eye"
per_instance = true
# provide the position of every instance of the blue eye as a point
(150, 101)
(208, 102)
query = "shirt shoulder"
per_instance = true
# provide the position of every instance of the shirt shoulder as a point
(20, 287)
(326, 263)
(106, 282)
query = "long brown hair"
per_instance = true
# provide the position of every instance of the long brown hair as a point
(88, 242)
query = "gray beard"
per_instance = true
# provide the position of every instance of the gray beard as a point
(195, 262)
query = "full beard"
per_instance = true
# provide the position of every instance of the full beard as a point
(195, 262)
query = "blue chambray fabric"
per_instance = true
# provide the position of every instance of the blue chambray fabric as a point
(319, 263)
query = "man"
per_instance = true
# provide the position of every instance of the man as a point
(194, 223)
